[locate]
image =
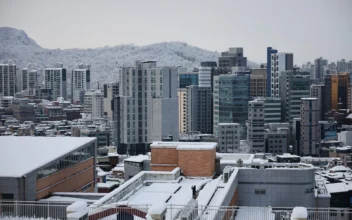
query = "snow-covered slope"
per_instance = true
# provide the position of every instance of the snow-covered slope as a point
(105, 61)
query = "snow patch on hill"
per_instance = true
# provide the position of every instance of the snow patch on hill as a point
(105, 61)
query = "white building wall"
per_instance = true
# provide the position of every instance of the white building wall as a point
(345, 137)
(281, 187)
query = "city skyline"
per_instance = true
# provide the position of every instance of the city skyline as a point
(308, 36)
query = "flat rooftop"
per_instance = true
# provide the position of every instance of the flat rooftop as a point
(21, 155)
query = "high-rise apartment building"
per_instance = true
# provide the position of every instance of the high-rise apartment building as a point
(94, 104)
(343, 65)
(317, 91)
(269, 63)
(272, 109)
(279, 62)
(258, 82)
(29, 79)
(294, 85)
(146, 109)
(319, 64)
(310, 128)
(229, 137)
(199, 109)
(110, 90)
(56, 79)
(231, 58)
(80, 82)
(231, 96)
(184, 79)
(255, 126)
(8, 79)
(206, 73)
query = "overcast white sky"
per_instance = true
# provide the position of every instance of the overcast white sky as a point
(308, 28)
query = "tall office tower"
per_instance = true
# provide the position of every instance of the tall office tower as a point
(8, 79)
(55, 79)
(294, 85)
(318, 91)
(146, 109)
(231, 96)
(279, 62)
(232, 58)
(199, 109)
(255, 126)
(94, 104)
(343, 83)
(185, 79)
(310, 128)
(110, 90)
(327, 93)
(342, 65)
(206, 73)
(80, 82)
(258, 82)
(319, 64)
(269, 64)
(29, 79)
(272, 109)
(229, 138)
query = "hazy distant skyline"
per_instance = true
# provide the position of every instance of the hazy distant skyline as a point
(307, 28)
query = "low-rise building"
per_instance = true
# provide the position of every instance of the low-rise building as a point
(46, 165)
(229, 137)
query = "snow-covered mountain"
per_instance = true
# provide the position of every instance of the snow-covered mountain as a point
(105, 61)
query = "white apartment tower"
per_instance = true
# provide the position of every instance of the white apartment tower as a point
(29, 78)
(94, 104)
(279, 62)
(8, 79)
(55, 78)
(80, 81)
(146, 108)
(255, 126)
(310, 128)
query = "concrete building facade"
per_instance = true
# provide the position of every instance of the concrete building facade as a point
(206, 73)
(56, 79)
(94, 104)
(147, 106)
(319, 64)
(229, 137)
(110, 90)
(318, 91)
(199, 109)
(255, 126)
(29, 79)
(258, 82)
(80, 82)
(279, 62)
(272, 109)
(8, 79)
(293, 87)
(310, 128)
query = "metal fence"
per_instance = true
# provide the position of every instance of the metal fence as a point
(36, 210)
(57, 210)
(139, 212)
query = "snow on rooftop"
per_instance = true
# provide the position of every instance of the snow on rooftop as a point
(139, 158)
(254, 213)
(65, 199)
(185, 145)
(338, 187)
(107, 184)
(340, 169)
(34, 152)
